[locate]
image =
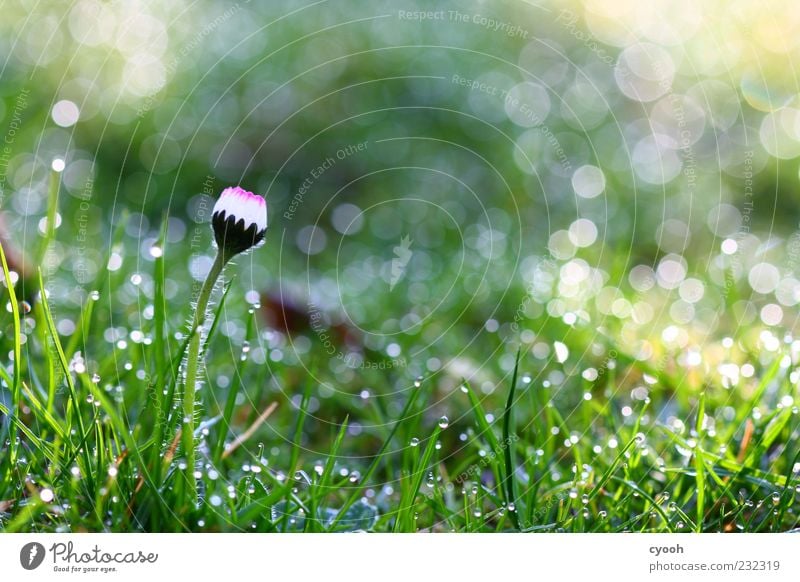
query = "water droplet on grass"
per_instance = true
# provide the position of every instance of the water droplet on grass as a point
(444, 422)
(414, 442)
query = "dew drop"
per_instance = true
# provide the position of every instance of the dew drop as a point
(430, 481)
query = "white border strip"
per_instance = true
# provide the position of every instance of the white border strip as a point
(352, 557)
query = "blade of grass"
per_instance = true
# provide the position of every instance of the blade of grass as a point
(230, 402)
(162, 371)
(378, 458)
(608, 473)
(700, 473)
(484, 427)
(242, 438)
(296, 446)
(62, 358)
(508, 452)
(319, 490)
(52, 212)
(16, 395)
(405, 512)
(746, 408)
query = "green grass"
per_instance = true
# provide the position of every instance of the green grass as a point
(91, 425)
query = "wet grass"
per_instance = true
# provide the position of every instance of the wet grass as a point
(521, 441)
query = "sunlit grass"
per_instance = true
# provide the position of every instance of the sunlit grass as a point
(622, 443)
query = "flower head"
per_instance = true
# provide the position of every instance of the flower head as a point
(239, 220)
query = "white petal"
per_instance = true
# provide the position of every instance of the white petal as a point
(243, 205)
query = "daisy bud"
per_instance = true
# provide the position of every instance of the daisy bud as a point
(239, 220)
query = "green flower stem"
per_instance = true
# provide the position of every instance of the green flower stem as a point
(192, 360)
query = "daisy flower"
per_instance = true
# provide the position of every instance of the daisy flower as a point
(239, 222)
